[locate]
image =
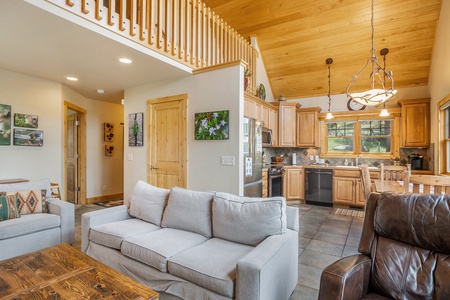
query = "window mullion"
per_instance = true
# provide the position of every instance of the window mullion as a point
(357, 142)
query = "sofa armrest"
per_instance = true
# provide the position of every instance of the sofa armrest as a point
(66, 211)
(292, 217)
(270, 271)
(98, 217)
(347, 278)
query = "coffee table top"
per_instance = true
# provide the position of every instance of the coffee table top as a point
(63, 272)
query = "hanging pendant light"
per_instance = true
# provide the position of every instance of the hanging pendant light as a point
(384, 112)
(374, 96)
(329, 116)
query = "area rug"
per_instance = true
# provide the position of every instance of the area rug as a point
(349, 212)
(110, 203)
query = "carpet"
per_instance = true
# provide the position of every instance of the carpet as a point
(110, 203)
(349, 212)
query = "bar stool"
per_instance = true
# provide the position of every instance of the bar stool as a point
(54, 187)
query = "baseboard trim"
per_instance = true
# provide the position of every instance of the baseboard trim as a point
(104, 198)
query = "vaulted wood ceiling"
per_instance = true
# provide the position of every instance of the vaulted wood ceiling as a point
(297, 36)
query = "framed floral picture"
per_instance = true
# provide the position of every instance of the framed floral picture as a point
(212, 125)
(5, 124)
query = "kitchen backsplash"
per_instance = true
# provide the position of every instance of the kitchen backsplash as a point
(303, 157)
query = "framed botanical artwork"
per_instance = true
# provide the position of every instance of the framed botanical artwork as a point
(108, 136)
(108, 127)
(5, 124)
(136, 130)
(109, 150)
(28, 121)
(212, 125)
(28, 137)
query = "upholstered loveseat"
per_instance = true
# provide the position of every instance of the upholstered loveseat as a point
(42, 222)
(404, 252)
(198, 245)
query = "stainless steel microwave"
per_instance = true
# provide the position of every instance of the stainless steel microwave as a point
(266, 137)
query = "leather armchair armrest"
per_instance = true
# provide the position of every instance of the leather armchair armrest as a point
(347, 278)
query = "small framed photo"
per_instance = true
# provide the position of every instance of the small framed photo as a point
(5, 124)
(108, 127)
(27, 121)
(108, 136)
(136, 130)
(28, 137)
(109, 150)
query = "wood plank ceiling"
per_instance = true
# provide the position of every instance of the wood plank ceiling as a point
(297, 36)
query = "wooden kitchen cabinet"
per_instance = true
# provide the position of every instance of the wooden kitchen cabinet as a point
(308, 127)
(264, 111)
(295, 183)
(265, 182)
(273, 125)
(415, 122)
(287, 114)
(347, 188)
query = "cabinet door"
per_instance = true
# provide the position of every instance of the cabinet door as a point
(343, 190)
(249, 108)
(287, 125)
(416, 132)
(294, 183)
(307, 131)
(265, 116)
(359, 195)
(273, 124)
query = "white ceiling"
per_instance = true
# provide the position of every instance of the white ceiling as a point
(38, 43)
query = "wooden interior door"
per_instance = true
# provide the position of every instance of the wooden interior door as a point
(72, 157)
(167, 141)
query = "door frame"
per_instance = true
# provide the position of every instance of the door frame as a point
(81, 145)
(184, 159)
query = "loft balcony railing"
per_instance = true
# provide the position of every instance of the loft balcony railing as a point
(184, 30)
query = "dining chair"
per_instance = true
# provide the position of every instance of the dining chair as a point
(366, 182)
(398, 173)
(430, 184)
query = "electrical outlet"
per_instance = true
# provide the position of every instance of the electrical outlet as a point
(227, 161)
(311, 157)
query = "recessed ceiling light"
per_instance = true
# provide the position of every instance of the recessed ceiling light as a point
(100, 91)
(125, 60)
(72, 78)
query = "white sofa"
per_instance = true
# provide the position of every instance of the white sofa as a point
(199, 245)
(36, 231)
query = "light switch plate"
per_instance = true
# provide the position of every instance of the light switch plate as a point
(227, 161)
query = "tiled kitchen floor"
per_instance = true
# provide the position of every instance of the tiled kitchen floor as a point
(324, 237)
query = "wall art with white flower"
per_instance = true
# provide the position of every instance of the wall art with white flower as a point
(212, 125)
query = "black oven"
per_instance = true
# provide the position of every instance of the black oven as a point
(275, 181)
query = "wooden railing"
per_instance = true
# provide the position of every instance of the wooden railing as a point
(184, 30)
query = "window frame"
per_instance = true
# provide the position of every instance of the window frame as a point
(444, 135)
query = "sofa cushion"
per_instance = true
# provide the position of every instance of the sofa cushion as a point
(29, 185)
(27, 224)
(148, 202)
(156, 247)
(211, 265)
(8, 207)
(189, 210)
(31, 201)
(247, 220)
(112, 234)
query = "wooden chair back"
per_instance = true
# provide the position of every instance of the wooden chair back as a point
(365, 180)
(398, 173)
(430, 184)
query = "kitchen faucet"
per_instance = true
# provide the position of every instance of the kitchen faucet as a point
(357, 159)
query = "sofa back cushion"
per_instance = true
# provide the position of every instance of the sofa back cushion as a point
(8, 207)
(29, 185)
(247, 220)
(148, 202)
(189, 210)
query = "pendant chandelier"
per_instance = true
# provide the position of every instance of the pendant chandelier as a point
(329, 116)
(384, 90)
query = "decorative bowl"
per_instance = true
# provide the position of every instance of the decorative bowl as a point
(277, 159)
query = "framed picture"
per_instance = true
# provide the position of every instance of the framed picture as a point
(108, 127)
(28, 121)
(212, 125)
(136, 130)
(109, 150)
(108, 136)
(5, 124)
(28, 137)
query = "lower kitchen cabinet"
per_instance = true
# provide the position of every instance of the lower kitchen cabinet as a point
(347, 189)
(295, 183)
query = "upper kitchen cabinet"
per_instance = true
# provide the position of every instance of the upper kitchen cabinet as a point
(287, 124)
(264, 111)
(415, 122)
(308, 127)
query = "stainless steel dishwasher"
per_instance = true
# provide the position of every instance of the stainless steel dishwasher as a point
(319, 186)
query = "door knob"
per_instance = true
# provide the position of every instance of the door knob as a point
(153, 168)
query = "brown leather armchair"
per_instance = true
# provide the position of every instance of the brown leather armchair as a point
(404, 252)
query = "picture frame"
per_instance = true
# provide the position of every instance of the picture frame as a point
(108, 136)
(28, 137)
(108, 127)
(136, 129)
(5, 125)
(26, 120)
(212, 125)
(109, 150)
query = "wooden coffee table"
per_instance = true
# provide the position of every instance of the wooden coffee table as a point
(62, 272)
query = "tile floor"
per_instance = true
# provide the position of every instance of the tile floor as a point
(324, 237)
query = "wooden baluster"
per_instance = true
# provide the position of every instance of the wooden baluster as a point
(98, 10)
(438, 189)
(151, 22)
(142, 19)
(111, 12)
(204, 35)
(122, 16)
(208, 37)
(133, 14)
(159, 24)
(182, 30)
(193, 32)
(225, 42)
(213, 39)
(188, 31)
(84, 7)
(199, 34)
(167, 22)
(69, 3)
(175, 22)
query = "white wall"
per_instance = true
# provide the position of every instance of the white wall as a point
(261, 73)
(215, 90)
